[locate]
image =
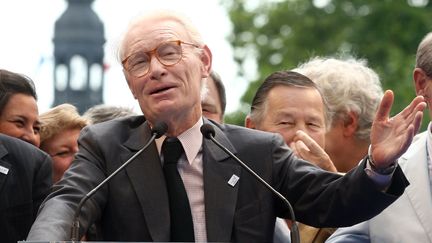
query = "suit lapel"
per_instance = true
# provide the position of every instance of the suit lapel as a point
(419, 191)
(220, 197)
(5, 167)
(147, 179)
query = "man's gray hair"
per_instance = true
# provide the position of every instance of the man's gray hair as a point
(102, 112)
(348, 85)
(424, 55)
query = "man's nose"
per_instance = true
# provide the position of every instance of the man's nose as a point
(301, 126)
(156, 68)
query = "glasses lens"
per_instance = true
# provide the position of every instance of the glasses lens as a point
(169, 53)
(138, 64)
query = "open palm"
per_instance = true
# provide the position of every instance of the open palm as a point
(391, 136)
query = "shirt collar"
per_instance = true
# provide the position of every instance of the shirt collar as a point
(190, 139)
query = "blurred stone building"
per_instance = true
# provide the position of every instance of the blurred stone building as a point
(79, 40)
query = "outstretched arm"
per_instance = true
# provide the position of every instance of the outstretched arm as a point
(391, 136)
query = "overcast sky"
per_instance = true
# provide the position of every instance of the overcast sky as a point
(27, 26)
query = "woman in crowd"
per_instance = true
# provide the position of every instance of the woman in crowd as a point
(25, 171)
(18, 107)
(60, 128)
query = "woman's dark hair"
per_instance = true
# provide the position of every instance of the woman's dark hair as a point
(14, 83)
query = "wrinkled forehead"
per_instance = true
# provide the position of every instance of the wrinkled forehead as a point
(147, 34)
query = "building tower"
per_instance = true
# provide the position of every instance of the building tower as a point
(78, 56)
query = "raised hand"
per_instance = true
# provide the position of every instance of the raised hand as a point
(306, 148)
(391, 136)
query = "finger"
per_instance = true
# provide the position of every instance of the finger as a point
(411, 113)
(302, 150)
(384, 108)
(417, 104)
(293, 148)
(407, 142)
(311, 144)
(292, 145)
(417, 121)
(301, 147)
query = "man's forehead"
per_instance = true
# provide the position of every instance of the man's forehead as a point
(308, 113)
(153, 29)
(142, 36)
(144, 40)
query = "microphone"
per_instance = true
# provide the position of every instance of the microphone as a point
(157, 131)
(208, 132)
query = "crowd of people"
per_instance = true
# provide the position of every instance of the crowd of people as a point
(320, 134)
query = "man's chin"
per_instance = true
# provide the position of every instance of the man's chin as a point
(164, 110)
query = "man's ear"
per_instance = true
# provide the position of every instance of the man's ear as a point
(127, 77)
(350, 124)
(206, 59)
(249, 123)
(420, 81)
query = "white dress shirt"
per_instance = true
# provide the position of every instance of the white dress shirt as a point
(190, 167)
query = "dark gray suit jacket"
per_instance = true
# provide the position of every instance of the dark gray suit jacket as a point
(25, 181)
(134, 205)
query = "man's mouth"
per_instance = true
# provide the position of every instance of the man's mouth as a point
(160, 90)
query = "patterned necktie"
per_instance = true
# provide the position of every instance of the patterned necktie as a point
(181, 217)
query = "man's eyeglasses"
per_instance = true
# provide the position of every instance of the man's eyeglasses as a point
(168, 54)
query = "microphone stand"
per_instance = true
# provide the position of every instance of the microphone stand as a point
(295, 237)
(75, 222)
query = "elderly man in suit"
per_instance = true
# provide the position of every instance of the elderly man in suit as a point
(409, 218)
(25, 181)
(208, 197)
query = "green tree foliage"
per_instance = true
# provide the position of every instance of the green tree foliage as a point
(282, 34)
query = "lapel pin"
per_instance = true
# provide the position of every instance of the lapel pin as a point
(233, 180)
(4, 170)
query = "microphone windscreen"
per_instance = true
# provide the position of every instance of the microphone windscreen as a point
(208, 131)
(160, 128)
